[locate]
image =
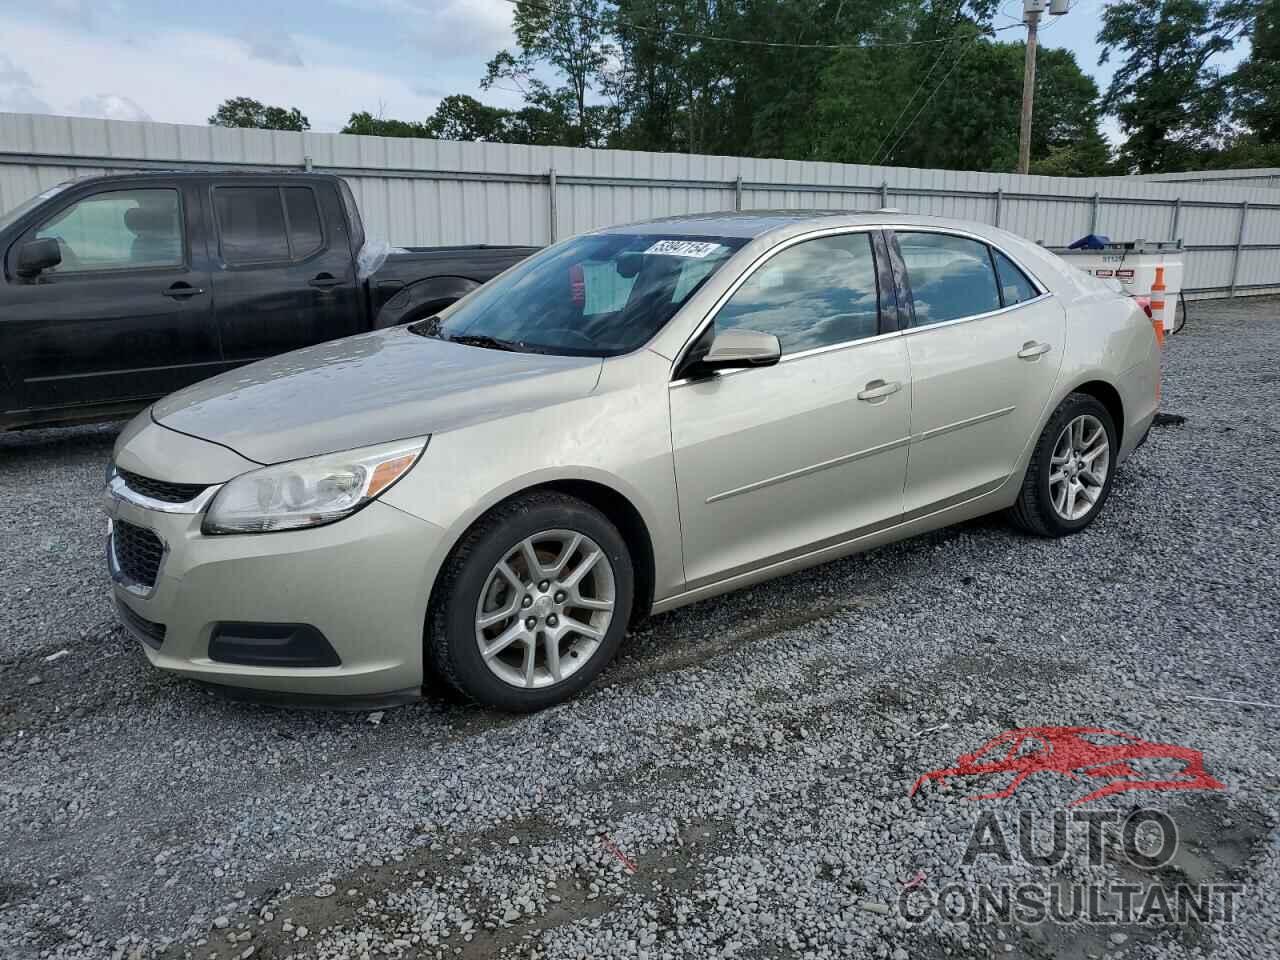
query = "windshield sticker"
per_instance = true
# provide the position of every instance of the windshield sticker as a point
(697, 249)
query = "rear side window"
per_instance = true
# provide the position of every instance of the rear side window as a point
(305, 233)
(268, 224)
(951, 277)
(118, 230)
(815, 294)
(1014, 285)
(251, 223)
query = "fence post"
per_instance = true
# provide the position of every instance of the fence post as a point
(999, 200)
(306, 164)
(737, 193)
(1235, 257)
(551, 202)
(1177, 219)
(884, 193)
(1093, 215)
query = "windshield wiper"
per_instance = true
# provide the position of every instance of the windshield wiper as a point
(483, 340)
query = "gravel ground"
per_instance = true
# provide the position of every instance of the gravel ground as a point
(737, 785)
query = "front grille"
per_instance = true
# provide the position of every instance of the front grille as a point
(161, 489)
(137, 551)
(149, 632)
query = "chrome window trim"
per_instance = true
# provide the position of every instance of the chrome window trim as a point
(709, 317)
(802, 355)
(120, 491)
(968, 235)
(910, 331)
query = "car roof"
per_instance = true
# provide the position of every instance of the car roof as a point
(750, 224)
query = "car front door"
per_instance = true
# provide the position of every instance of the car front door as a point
(127, 315)
(287, 277)
(776, 462)
(984, 353)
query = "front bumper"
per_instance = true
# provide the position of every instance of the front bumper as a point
(362, 582)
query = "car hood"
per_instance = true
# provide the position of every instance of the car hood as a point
(365, 390)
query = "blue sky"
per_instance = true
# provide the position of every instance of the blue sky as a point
(143, 59)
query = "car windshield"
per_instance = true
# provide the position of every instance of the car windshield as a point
(11, 216)
(596, 295)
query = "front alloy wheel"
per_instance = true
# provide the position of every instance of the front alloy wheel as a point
(545, 608)
(532, 603)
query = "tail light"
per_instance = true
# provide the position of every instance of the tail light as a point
(1145, 304)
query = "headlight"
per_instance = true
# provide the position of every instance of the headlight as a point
(309, 493)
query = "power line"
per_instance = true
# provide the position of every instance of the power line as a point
(907, 106)
(964, 50)
(709, 38)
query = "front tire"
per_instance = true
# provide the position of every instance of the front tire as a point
(532, 603)
(1069, 477)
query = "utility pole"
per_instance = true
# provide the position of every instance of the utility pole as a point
(1028, 91)
(1031, 12)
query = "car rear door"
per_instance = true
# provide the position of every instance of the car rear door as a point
(775, 462)
(286, 276)
(985, 349)
(128, 314)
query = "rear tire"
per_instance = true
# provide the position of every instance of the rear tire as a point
(1069, 477)
(573, 627)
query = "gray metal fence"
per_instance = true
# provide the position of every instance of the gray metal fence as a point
(426, 192)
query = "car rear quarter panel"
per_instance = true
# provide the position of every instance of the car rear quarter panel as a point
(618, 437)
(1110, 339)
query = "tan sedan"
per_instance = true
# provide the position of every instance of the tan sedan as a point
(631, 420)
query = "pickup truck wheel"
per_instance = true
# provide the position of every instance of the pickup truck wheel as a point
(532, 604)
(1069, 477)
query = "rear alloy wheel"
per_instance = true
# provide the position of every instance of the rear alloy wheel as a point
(532, 604)
(1070, 473)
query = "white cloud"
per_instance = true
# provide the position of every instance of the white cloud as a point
(180, 76)
(450, 28)
(111, 106)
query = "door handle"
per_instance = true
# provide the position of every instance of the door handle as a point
(182, 291)
(325, 280)
(877, 390)
(1034, 351)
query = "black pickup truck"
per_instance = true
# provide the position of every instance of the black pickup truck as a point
(120, 289)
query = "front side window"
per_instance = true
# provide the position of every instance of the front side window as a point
(951, 277)
(815, 294)
(118, 230)
(1014, 285)
(597, 295)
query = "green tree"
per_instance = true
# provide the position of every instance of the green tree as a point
(460, 117)
(1171, 102)
(247, 112)
(366, 124)
(568, 36)
(1256, 82)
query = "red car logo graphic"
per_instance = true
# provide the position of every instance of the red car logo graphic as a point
(1076, 752)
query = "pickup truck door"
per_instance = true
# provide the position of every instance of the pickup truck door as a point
(128, 313)
(285, 275)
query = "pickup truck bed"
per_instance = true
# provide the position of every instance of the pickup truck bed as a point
(118, 290)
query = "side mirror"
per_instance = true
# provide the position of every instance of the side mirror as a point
(35, 256)
(735, 349)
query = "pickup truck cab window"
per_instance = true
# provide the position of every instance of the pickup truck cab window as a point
(951, 277)
(251, 224)
(815, 294)
(117, 230)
